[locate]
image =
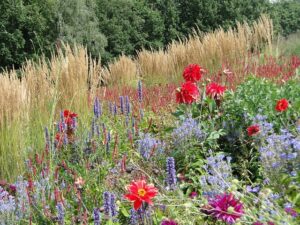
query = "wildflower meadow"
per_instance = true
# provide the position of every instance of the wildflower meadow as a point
(215, 146)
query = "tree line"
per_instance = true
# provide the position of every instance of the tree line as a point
(108, 28)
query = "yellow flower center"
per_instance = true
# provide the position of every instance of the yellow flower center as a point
(141, 192)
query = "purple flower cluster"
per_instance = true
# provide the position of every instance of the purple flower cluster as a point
(7, 202)
(280, 153)
(171, 174)
(109, 203)
(149, 146)
(188, 130)
(97, 216)
(218, 175)
(97, 108)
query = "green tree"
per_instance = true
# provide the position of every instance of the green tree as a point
(78, 24)
(129, 25)
(25, 31)
(286, 16)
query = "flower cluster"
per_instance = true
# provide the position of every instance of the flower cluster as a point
(218, 175)
(188, 130)
(280, 153)
(109, 203)
(171, 179)
(149, 146)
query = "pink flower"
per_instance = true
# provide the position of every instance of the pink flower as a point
(226, 208)
(291, 211)
(215, 91)
(194, 194)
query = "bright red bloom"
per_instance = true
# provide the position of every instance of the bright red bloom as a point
(253, 130)
(215, 91)
(188, 93)
(140, 192)
(226, 208)
(282, 105)
(68, 113)
(69, 116)
(192, 73)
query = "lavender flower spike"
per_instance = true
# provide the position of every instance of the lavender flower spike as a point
(107, 203)
(97, 108)
(60, 213)
(171, 173)
(97, 216)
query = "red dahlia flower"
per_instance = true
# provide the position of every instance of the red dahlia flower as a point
(215, 91)
(253, 130)
(140, 192)
(226, 208)
(282, 105)
(188, 93)
(192, 73)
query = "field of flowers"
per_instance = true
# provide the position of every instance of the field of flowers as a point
(200, 153)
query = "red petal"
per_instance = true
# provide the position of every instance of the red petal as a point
(137, 204)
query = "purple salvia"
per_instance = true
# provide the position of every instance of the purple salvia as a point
(140, 91)
(133, 217)
(60, 213)
(113, 205)
(122, 104)
(65, 139)
(115, 109)
(74, 123)
(97, 216)
(97, 108)
(107, 203)
(127, 105)
(171, 173)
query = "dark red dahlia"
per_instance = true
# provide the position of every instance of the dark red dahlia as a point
(192, 73)
(226, 207)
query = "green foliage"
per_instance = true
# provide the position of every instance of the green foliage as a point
(25, 30)
(78, 24)
(129, 25)
(286, 16)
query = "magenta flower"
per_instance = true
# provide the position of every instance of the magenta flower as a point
(169, 222)
(226, 208)
(291, 211)
(257, 223)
